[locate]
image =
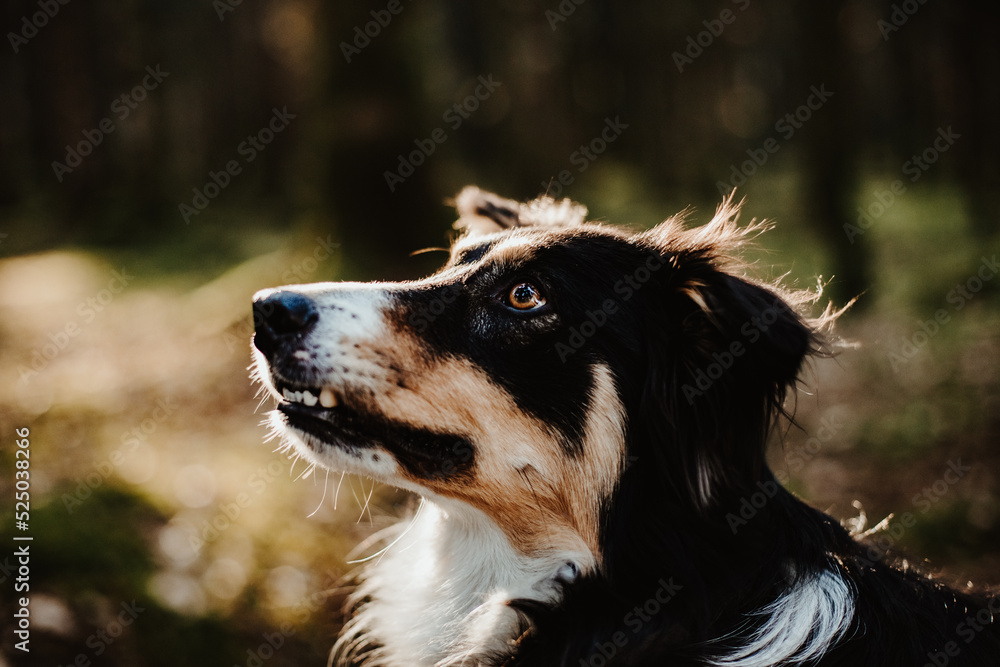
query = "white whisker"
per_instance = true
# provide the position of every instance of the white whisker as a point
(291, 470)
(305, 473)
(354, 492)
(326, 481)
(381, 552)
(368, 499)
(336, 494)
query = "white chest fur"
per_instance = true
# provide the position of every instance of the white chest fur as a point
(439, 594)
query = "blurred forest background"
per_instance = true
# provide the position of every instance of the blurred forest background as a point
(161, 161)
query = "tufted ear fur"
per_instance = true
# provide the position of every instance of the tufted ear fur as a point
(722, 356)
(482, 212)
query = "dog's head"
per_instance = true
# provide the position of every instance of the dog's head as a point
(550, 363)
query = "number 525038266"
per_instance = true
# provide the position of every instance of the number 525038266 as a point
(22, 482)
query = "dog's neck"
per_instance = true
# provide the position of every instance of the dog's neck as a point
(440, 593)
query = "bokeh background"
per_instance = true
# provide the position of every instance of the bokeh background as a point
(161, 161)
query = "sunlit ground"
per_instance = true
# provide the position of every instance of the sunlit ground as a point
(154, 495)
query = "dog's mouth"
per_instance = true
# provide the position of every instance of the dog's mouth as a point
(332, 418)
(323, 412)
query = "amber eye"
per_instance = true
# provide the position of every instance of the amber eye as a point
(525, 296)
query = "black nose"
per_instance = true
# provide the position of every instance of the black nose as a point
(281, 315)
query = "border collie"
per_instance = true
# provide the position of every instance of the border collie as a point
(583, 411)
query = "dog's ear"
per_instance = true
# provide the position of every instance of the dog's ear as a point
(759, 321)
(723, 352)
(754, 323)
(481, 212)
(736, 351)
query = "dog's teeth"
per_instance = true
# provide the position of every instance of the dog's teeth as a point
(327, 398)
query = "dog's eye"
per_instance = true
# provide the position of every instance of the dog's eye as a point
(525, 296)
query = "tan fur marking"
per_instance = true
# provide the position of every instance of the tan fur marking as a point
(523, 477)
(514, 250)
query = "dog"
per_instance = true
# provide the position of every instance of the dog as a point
(583, 411)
